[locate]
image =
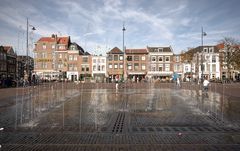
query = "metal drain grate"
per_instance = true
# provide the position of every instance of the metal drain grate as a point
(119, 123)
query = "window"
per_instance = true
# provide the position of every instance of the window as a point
(120, 65)
(115, 57)
(70, 57)
(83, 68)
(177, 59)
(160, 58)
(70, 67)
(153, 58)
(99, 68)
(75, 57)
(210, 49)
(129, 58)
(110, 66)
(44, 46)
(87, 69)
(72, 47)
(85, 59)
(167, 67)
(121, 57)
(136, 66)
(115, 65)
(110, 58)
(143, 67)
(214, 68)
(160, 68)
(214, 59)
(60, 56)
(75, 68)
(44, 65)
(94, 68)
(60, 65)
(61, 47)
(136, 58)
(153, 67)
(160, 49)
(44, 55)
(129, 66)
(205, 49)
(103, 60)
(167, 59)
(143, 58)
(103, 68)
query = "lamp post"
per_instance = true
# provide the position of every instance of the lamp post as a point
(202, 67)
(27, 50)
(124, 54)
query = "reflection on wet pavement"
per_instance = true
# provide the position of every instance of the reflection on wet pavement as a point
(54, 108)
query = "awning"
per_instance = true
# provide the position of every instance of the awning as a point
(136, 73)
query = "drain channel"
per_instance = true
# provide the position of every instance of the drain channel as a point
(119, 123)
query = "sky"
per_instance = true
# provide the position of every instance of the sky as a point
(96, 25)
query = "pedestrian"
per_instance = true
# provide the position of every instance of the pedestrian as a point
(178, 82)
(205, 85)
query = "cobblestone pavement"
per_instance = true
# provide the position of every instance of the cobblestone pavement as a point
(66, 116)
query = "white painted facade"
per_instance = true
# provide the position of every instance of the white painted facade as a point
(210, 61)
(99, 70)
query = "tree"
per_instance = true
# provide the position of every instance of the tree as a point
(229, 54)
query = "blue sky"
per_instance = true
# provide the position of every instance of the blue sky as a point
(96, 25)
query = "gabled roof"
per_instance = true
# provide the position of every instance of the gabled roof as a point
(136, 51)
(79, 48)
(115, 50)
(9, 50)
(164, 49)
(60, 40)
(86, 53)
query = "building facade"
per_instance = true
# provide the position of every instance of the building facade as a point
(3, 65)
(51, 57)
(99, 71)
(207, 64)
(136, 63)
(74, 69)
(115, 64)
(11, 62)
(160, 65)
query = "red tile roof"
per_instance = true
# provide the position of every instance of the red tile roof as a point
(60, 40)
(141, 51)
(115, 50)
(220, 46)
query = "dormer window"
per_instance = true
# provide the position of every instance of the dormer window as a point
(72, 47)
(205, 50)
(160, 49)
(211, 50)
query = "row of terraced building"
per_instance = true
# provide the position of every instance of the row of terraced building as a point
(57, 58)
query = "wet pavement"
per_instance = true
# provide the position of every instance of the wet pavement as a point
(60, 116)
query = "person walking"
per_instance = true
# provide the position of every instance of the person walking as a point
(178, 82)
(205, 85)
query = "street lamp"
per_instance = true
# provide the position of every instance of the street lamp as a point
(124, 54)
(27, 49)
(202, 67)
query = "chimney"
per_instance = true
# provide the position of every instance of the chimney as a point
(54, 36)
